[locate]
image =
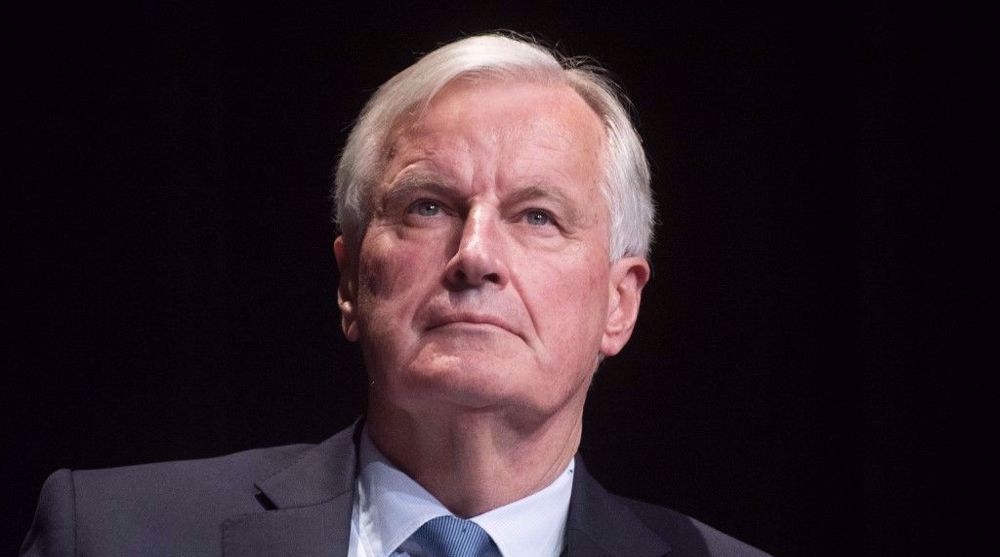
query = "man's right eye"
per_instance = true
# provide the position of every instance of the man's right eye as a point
(425, 208)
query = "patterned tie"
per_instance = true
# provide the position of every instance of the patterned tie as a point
(450, 536)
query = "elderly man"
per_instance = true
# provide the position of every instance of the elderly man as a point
(496, 214)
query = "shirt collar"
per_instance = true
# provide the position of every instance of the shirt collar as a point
(392, 506)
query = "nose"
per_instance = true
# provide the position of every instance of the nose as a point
(479, 258)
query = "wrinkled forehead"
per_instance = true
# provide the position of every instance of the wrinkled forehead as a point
(501, 92)
(553, 113)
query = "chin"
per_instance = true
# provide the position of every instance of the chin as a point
(476, 383)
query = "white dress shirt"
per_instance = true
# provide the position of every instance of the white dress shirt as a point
(389, 507)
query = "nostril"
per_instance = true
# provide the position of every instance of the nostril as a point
(473, 266)
(462, 278)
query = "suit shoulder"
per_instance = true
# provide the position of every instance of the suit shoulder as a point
(53, 530)
(198, 478)
(173, 506)
(148, 505)
(687, 535)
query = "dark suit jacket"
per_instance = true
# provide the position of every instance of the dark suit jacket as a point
(297, 501)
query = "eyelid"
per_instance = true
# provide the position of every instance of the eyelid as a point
(551, 215)
(415, 206)
(411, 207)
(411, 189)
(418, 201)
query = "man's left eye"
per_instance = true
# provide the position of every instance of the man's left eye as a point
(537, 218)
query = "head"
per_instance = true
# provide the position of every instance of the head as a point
(495, 211)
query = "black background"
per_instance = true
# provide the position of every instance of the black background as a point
(806, 358)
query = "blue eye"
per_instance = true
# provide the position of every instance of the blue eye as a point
(537, 218)
(426, 208)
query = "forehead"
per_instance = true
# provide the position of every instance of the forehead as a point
(523, 125)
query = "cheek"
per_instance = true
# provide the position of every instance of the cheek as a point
(387, 296)
(384, 266)
(393, 277)
(570, 306)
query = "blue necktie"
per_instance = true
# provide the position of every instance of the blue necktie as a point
(450, 536)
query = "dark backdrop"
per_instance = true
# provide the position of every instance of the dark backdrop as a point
(171, 286)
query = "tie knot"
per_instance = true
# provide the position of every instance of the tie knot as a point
(450, 536)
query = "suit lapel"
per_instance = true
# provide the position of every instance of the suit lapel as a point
(600, 526)
(310, 504)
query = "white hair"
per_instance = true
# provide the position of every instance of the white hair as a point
(626, 172)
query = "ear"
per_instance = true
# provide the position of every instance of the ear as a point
(346, 289)
(628, 276)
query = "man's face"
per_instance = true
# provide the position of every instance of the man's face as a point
(483, 280)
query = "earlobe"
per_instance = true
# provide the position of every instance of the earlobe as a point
(627, 278)
(346, 290)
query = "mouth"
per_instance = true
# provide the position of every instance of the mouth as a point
(475, 321)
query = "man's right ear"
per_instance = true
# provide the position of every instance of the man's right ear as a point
(346, 289)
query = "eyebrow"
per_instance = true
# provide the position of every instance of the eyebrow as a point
(418, 181)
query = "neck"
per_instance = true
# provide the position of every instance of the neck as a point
(475, 461)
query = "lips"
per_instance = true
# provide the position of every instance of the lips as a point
(474, 312)
(471, 319)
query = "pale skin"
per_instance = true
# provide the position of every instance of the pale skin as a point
(483, 295)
